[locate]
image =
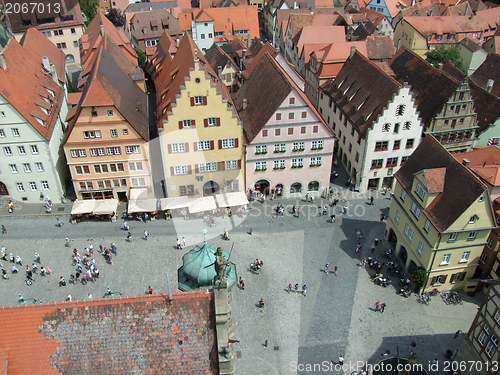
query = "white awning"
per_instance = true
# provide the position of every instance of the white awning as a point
(137, 194)
(83, 207)
(105, 206)
(231, 199)
(174, 203)
(202, 204)
(143, 205)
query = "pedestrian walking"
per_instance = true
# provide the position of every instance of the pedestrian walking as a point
(129, 237)
(358, 247)
(373, 248)
(184, 241)
(378, 305)
(146, 235)
(376, 241)
(69, 298)
(296, 288)
(4, 229)
(150, 290)
(304, 290)
(327, 266)
(179, 244)
(335, 269)
(19, 260)
(307, 197)
(382, 217)
(298, 213)
(371, 201)
(382, 307)
(242, 283)
(344, 209)
(263, 198)
(89, 296)
(289, 288)
(363, 262)
(358, 234)
(341, 360)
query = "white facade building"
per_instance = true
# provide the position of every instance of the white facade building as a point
(202, 30)
(375, 119)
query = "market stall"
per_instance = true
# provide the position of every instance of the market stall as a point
(174, 206)
(82, 209)
(105, 209)
(143, 209)
(232, 203)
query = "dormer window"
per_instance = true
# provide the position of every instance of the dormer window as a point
(439, 37)
(420, 191)
(473, 219)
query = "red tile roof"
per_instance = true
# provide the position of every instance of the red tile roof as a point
(267, 48)
(38, 45)
(485, 162)
(40, 97)
(434, 179)
(89, 42)
(141, 334)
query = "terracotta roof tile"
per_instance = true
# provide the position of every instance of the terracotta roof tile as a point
(265, 90)
(489, 69)
(141, 334)
(162, 19)
(74, 98)
(461, 188)
(319, 34)
(89, 42)
(267, 48)
(434, 179)
(23, 71)
(470, 45)
(38, 45)
(445, 25)
(484, 157)
(486, 105)
(380, 47)
(432, 87)
(363, 90)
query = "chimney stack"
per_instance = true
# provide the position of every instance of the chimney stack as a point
(245, 103)
(53, 73)
(46, 63)
(466, 162)
(102, 30)
(219, 72)
(489, 85)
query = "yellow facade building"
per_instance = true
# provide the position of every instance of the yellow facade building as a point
(107, 142)
(440, 218)
(200, 133)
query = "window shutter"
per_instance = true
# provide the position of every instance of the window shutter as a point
(218, 121)
(220, 144)
(195, 146)
(193, 124)
(186, 145)
(189, 169)
(212, 145)
(204, 100)
(239, 164)
(169, 148)
(433, 280)
(220, 166)
(192, 101)
(444, 280)
(180, 124)
(172, 171)
(205, 122)
(452, 277)
(236, 140)
(196, 168)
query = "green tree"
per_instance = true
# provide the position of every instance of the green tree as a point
(141, 57)
(116, 17)
(442, 55)
(89, 8)
(419, 276)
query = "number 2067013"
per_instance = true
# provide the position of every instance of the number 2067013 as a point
(39, 8)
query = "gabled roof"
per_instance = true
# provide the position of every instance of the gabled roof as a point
(217, 57)
(490, 17)
(485, 162)
(489, 69)
(90, 40)
(319, 34)
(332, 57)
(26, 85)
(298, 21)
(143, 334)
(163, 20)
(264, 91)
(202, 16)
(445, 25)
(380, 47)
(168, 83)
(38, 46)
(434, 179)
(394, 6)
(486, 105)
(432, 87)
(373, 16)
(166, 48)
(266, 49)
(470, 45)
(362, 90)
(460, 190)
(108, 85)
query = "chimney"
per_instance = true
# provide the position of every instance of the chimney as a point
(353, 51)
(102, 30)
(245, 103)
(3, 65)
(471, 16)
(219, 72)
(53, 73)
(248, 41)
(46, 63)
(489, 85)
(466, 162)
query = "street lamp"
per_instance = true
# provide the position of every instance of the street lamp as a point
(169, 293)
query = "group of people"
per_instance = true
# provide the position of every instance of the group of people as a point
(91, 272)
(380, 306)
(327, 269)
(296, 289)
(17, 261)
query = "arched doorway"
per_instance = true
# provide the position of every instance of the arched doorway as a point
(210, 187)
(279, 190)
(70, 59)
(403, 255)
(392, 238)
(3, 189)
(313, 186)
(262, 186)
(296, 187)
(413, 265)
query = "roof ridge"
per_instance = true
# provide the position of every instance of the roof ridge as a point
(396, 82)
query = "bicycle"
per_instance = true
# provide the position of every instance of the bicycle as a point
(423, 298)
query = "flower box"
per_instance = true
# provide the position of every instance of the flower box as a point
(301, 149)
(264, 152)
(396, 147)
(300, 166)
(277, 151)
(295, 149)
(320, 148)
(314, 148)
(294, 166)
(282, 167)
(379, 166)
(257, 153)
(378, 149)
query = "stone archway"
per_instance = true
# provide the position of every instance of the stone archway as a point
(403, 255)
(210, 187)
(262, 186)
(3, 189)
(392, 238)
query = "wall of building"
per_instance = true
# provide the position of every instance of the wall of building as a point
(405, 35)
(114, 181)
(304, 127)
(199, 85)
(203, 34)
